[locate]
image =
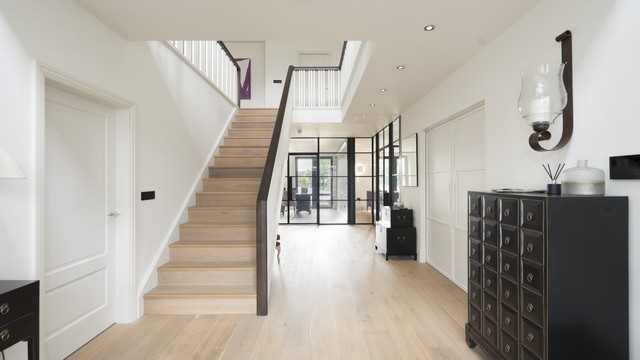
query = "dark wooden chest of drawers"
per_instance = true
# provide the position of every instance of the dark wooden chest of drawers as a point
(548, 276)
(19, 308)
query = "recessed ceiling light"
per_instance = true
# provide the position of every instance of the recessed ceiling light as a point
(400, 67)
(383, 90)
(364, 115)
(429, 28)
(357, 123)
(372, 104)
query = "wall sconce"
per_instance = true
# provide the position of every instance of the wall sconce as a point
(8, 168)
(547, 92)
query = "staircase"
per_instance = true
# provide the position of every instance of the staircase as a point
(212, 268)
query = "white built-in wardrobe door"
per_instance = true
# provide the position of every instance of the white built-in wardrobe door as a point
(455, 165)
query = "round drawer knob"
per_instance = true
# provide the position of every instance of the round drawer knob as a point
(488, 282)
(473, 273)
(507, 240)
(488, 258)
(529, 277)
(474, 229)
(530, 337)
(507, 294)
(507, 348)
(473, 295)
(530, 307)
(473, 318)
(474, 206)
(507, 267)
(473, 251)
(507, 321)
(488, 233)
(507, 212)
(530, 247)
(488, 307)
(4, 309)
(489, 209)
(489, 331)
(4, 335)
(529, 216)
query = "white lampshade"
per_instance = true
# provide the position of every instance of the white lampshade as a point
(8, 168)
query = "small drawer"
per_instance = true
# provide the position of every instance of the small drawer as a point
(475, 250)
(509, 320)
(490, 332)
(474, 319)
(490, 281)
(509, 265)
(509, 211)
(474, 228)
(490, 232)
(489, 207)
(18, 330)
(17, 303)
(509, 239)
(531, 306)
(509, 293)
(490, 257)
(401, 241)
(528, 355)
(531, 214)
(508, 347)
(532, 337)
(401, 218)
(532, 276)
(475, 295)
(474, 273)
(475, 204)
(532, 246)
(490, 306)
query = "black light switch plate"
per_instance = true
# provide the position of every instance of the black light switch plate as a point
(277, 81)
(624, 167)
(147, 195)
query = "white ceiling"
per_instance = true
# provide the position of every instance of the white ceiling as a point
(463, 27)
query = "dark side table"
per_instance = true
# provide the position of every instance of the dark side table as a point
(19, 314)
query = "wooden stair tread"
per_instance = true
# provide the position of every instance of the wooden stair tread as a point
(252, 129)
(242, 156)
(212, 243)
(245, 146)
(180, 291)
(232, 179)
(251, 137)
(223, 207)
(226, 193)
(237, 167)
(208, 265)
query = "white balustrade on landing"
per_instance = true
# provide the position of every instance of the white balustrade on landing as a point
(351, 52)
(212, 62)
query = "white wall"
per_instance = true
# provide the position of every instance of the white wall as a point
(606, 52)
(280, 54)
(254, 51)
(178, 120)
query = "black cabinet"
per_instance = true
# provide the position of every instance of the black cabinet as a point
(548, 276)
(19, 320)
(395, 234)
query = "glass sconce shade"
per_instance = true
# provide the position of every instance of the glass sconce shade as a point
(543, 95)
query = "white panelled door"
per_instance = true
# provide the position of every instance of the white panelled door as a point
(455, 165)
(79, 236)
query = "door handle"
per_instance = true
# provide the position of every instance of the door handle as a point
(113, 214)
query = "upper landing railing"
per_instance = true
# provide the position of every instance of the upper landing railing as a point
(214, 62)
(325, 87)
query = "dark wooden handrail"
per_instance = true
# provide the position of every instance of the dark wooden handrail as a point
(344, 49)
(235, 63)
(262, 241)
(315, 68)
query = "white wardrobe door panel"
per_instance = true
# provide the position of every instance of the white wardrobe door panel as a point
(438, 194)
(468, 141)
(439, 148)
(439, 247)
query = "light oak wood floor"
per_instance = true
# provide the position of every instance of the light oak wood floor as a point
(332, 297)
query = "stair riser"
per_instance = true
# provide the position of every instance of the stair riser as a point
(258, 151)
(176, 277)
(239, 162)
(205, 233)
(244, 253)
(217, 172)
(209, 305)
(247, 141)
(222, 216)
(252, 124)
(234, 185)
(250, 132)
(226, 200)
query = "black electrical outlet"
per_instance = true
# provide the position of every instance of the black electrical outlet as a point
(147, 195)
(277, 81)
(624, 167)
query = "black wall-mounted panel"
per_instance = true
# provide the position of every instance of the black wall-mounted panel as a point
(147, 195)
(624, 167)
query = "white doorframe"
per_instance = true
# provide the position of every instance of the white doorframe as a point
(126, 310)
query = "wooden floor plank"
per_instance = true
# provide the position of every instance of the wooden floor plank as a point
(332, 297)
